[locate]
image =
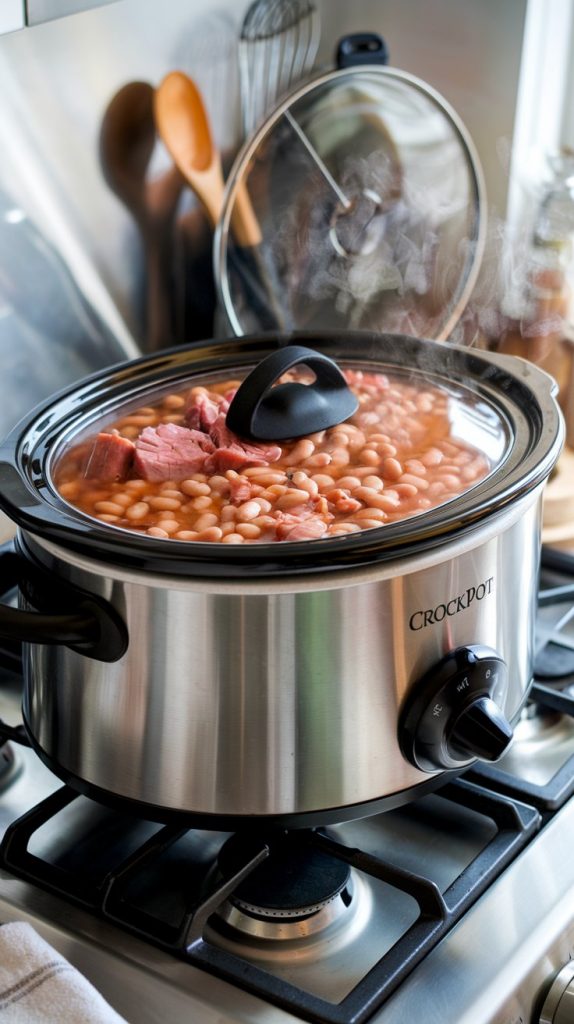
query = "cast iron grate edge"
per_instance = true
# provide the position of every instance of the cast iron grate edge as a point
(547, 797)
(516, 824)
(550, 796)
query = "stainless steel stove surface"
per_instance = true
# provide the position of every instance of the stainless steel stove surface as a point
(458, 907)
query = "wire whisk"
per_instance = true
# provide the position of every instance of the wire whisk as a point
(277, 48)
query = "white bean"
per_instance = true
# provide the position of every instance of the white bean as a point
(373, 482)
(370, 513)
(349, 482)
(368, 457)
(303, 483)
(323, 481)
(173, 402)
(248, 530)
(292, 498)
(340, 457)
(341, 528)
(392, 468)
(110, 507)
(302, 450)
(416, 481)
(137, 511)
(217, 485)
(204, 522)
(212, 534)
(249, 510)
(169, 525)
(169, 491)
(201, 503)
(320, 459)
(194, 488)
(162, 503)
(123, 499)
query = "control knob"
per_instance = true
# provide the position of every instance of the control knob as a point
(454, 714)
(558, 1006)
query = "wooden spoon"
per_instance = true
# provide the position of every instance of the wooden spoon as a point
(182, 122)
(127, 140)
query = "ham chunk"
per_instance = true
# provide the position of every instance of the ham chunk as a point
(239, 490)
(111, 458)
(171, 452)
(233, 453)
(310, 529)
(203, 409)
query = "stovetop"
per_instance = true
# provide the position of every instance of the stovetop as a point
(458, 907)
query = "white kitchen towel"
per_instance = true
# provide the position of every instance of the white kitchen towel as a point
(37, 986)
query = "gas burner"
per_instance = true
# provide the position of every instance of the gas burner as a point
(298, 890)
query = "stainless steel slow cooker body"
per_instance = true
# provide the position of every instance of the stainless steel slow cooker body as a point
(293, 682)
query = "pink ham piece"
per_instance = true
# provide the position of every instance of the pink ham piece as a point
(239, 490)
(301, 523)
(233, 453)
(111, 458)
(202, 411)
(307, 530)
(171, 452)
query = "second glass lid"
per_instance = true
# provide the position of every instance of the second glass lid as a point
(366, 207)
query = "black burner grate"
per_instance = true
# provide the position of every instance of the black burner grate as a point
(109, 897)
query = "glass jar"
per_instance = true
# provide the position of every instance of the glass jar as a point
(544, 330)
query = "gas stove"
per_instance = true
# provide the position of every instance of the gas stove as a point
(458, 907)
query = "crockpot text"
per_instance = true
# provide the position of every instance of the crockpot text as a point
(430, 616)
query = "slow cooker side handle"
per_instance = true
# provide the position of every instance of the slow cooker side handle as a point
(517, 366)
(10, 649)
(94, 628)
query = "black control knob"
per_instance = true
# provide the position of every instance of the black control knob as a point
(481, 730)
(454, 714)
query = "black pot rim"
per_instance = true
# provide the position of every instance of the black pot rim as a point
(522, 394)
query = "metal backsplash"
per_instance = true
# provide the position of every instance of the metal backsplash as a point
(18, 14)
(71, 264)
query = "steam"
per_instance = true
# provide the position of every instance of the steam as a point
(410, 255)
(519, 301)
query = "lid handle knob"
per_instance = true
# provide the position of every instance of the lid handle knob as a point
(361, 48)
(266, 413)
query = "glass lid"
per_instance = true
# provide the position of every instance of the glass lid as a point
(359, 205)
(300, 448)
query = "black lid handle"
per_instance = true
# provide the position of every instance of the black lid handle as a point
(292, 409)
(361, 48)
